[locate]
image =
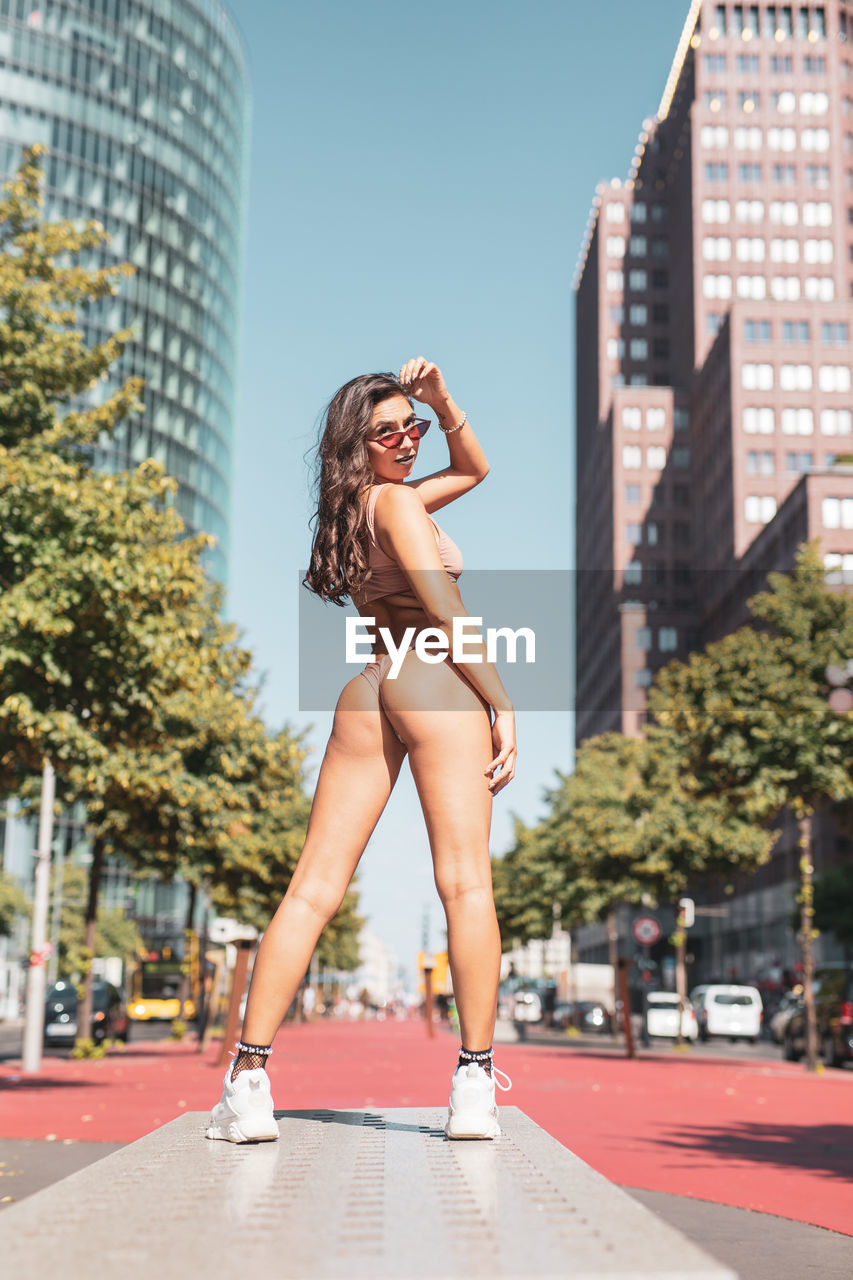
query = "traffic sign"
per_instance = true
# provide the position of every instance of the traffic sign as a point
(646, 931)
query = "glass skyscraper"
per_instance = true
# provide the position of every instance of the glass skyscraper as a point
(143, 107)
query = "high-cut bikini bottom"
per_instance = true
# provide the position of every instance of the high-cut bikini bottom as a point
(374, 673)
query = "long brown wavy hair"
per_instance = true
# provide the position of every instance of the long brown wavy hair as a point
(343, 472)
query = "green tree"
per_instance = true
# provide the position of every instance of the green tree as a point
(752, 723)
(116, 935)
(13, 904)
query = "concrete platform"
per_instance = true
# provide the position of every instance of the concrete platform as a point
(345, 1195)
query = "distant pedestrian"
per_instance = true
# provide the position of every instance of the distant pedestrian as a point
(376, 543)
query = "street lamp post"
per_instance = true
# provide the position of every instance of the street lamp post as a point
(34, 1024)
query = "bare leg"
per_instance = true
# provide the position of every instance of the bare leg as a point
(359, 769)
(448, 751)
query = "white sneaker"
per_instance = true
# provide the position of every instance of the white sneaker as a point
(473, 1113)
(244, 1113)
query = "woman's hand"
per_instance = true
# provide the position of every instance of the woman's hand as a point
(423, 381)
(502, 768)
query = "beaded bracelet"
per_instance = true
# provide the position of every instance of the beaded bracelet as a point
(448, 431)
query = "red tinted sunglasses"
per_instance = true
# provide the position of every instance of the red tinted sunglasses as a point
(419, 428)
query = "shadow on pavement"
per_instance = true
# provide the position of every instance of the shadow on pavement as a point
(823, 1149)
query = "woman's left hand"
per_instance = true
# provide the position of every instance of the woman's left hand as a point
(423, 381)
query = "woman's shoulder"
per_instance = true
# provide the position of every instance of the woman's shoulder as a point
(397, 499)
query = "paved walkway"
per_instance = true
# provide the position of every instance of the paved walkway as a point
(767, 1137)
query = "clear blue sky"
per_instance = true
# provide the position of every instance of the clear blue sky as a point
(420, 182)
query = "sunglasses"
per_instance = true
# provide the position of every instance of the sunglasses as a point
(419, 427)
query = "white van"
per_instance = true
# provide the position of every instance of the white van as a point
(728, 1010)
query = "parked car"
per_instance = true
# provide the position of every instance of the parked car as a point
(586, 1015)
(791, 1002)
(662, 1016)
(727, 1009)
(833, 988)
(110, 1020)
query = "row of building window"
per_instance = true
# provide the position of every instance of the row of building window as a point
(655, 571)
(778, 249)
(839, 566)
(667, 639)
(786, 103)
(812, 213)
(795, 377)
(763, 462)
(779, 63)
(761, 420)
(837, 513)
(638, 313)
(638, 246)
(780, 21)
(656, 456)
(832, 332)
(655, 418)
(638, 212)
(638, 280)
(638, 348)
(781, 288)
(680, 494)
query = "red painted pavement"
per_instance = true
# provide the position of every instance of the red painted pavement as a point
(758, 1135)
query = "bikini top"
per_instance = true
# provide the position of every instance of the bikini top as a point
(386, 576)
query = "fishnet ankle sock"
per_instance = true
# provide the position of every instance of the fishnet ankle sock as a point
(482, 1057)
(250, 1057)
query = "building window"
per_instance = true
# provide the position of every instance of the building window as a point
(751, 287)
(652, 533)
(749, 173)
(637, 212)
(782, 138)
(749, 211)
(784, 249)
(839, 567)
(634, 533)
(716, 248)
(656, 457)
(717, 171)
(716, 211)
(785, 288)
(759, 462)
(615, 281)
(714, 99)
(837, 513)
(785, 211)
(642, 678)
(660, 279)
(638, 380)
(797, 422)
(615, 246)
(785, 29)
(717, 287)
(835, 422)
(667, 639)
(632, 457)
(643, 638)
(720, 15)
(781, 64)
(748, 100)
(814, 66)
(615, 348)
(785, 175)
(814, 104)
(756, 377)
(796, 331)
(633, 572)
(637, 246)
(795, 377)
(638, 281)
(819, 288)
(785, 102)
(814, 140)
(639, 349)
(836, 333)
(632, 493)
(759, 508)
(833, 377)
(757, 331)
(818, 251)
(759, 420)
(681, 457)
(713, 320)
(817, 175)
(615, 213)
(746, 63)
(799, 461)
(655, 419)
(817, 213)
(680, 495)
(632, 418)
(750, 249)
(714, 137)
(660, 247)
(617, 314)
(638, 313)
(680, 418)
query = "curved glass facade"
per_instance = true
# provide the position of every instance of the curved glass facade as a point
(143, 107)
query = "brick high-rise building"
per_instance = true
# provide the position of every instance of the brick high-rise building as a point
(714, 324)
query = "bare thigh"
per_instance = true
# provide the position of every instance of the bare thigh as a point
(447, 728)
(360, 767)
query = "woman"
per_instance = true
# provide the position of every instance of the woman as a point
(376, 543)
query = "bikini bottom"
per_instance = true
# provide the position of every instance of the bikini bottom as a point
(374, 673)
